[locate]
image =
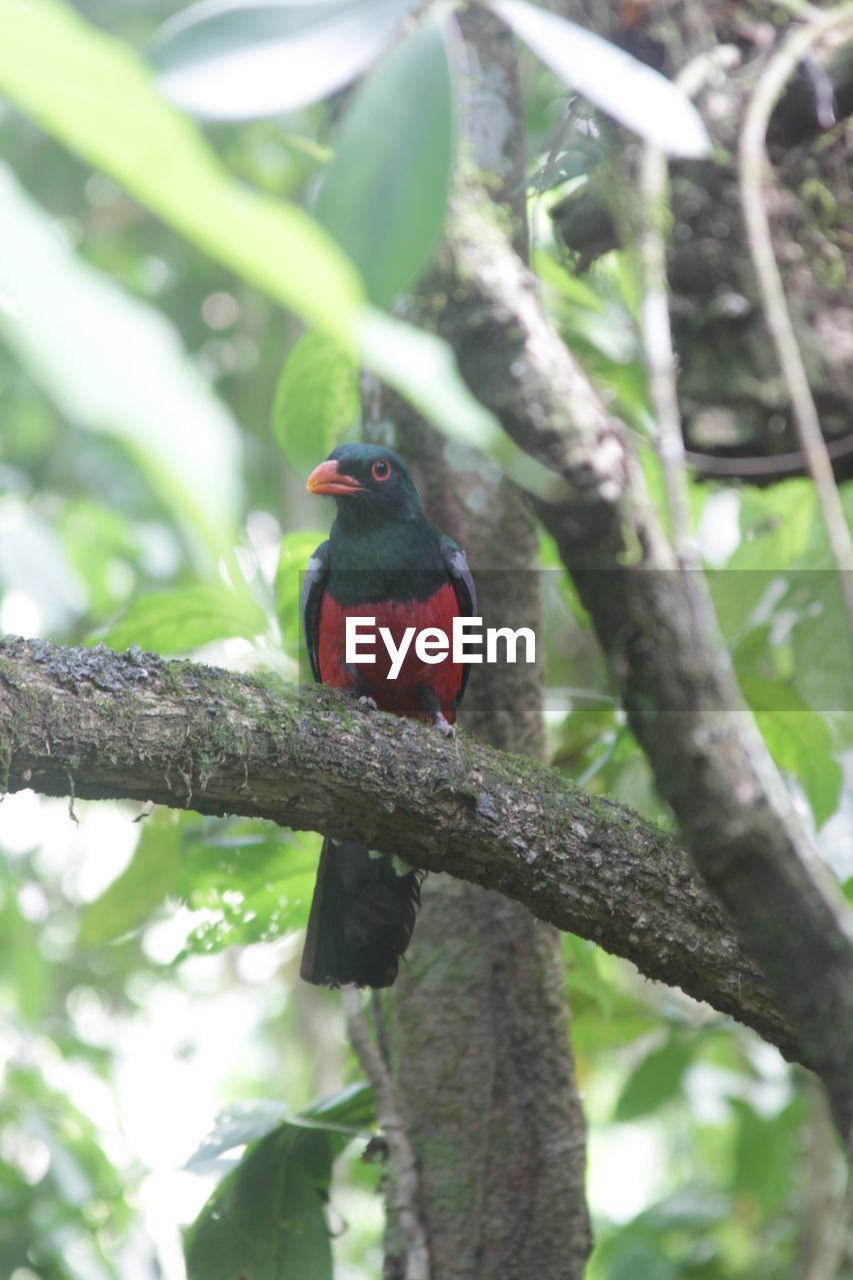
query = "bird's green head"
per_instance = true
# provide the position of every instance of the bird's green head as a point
(369, 484)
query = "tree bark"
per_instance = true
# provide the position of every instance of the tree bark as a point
(478, 1023)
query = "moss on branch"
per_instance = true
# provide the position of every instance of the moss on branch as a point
(103, 725)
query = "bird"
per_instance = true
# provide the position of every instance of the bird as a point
(383, 559)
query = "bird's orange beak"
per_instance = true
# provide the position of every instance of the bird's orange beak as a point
(329, 479)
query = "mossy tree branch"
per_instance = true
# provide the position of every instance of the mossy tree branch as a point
(95, 724)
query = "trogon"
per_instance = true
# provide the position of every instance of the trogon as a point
(383, 560)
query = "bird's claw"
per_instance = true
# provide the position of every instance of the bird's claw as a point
(444, 726)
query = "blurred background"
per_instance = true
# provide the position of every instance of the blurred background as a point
(148, 960)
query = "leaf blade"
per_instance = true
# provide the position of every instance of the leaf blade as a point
(615, 82)
(109, 112)
(315, 400)
(266, 1218)
(238, 61)
(151, 875)
(171, 622)
(800, 742)
(100, 375)
(275, 246)
(384, 195)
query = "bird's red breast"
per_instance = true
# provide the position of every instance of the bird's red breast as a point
(403, 695)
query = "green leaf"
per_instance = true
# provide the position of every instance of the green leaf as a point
(316, 399)
(21, 955)
(108, 112)
(119, 370)
(799, 741)
(254, 893)
(238, 60)
(252, 880)
(688, 1209)
(351, 1108)
(97, 98)
(655, 1081)
(348, 1112)
(79, 1178)
(384, 195)
(582, 157)
(776, 525)
(153, 873)
(239, 1125)
(822, 670)
(180, 621)
(765, 1153)
(641, 1260)
(626, 89)
(96, 539)
(266, 1218)
(591, 317)
(603, 1015)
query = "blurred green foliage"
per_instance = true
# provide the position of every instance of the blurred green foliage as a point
(269, 1200)
(145, 498)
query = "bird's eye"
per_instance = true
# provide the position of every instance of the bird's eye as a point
(381, 469)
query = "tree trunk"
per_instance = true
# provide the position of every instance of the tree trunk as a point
(478, 1022)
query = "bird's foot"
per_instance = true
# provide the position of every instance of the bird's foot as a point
(443, 725)
(358, 687)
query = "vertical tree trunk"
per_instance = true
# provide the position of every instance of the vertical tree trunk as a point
(477, 1024)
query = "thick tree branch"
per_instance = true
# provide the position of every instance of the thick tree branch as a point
(99, 725)
(657, 628)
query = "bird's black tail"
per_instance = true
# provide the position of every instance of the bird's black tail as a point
(362, 917)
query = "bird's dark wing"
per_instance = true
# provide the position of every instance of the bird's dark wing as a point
(456, 564)
(313, 586)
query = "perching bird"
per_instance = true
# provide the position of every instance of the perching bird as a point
(384, 560)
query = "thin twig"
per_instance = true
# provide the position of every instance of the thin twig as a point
(657, 333)
(752, 163)
(405, 1198)
(827, 1209)
(770, 464)
(659, 354)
